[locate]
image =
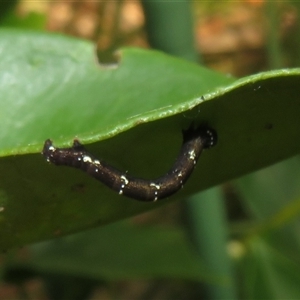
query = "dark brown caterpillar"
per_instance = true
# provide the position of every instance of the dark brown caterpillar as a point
(194, 141)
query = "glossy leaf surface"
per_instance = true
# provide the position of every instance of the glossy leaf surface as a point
(131, 115)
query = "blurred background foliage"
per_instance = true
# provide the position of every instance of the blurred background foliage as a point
(240, 240)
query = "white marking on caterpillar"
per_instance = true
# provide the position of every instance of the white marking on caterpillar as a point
(87, 159)
(192, 156)
(179, 175)
(97, 162)
(126, 181)
(157, 186)
(211, 137)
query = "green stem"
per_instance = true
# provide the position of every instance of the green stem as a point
(170, 28)
(273, 45)
(208, 230)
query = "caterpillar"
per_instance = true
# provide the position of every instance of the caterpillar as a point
(194, 141)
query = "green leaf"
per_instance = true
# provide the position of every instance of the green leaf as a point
(121, 251)
(273, 196)
(132, 115)
(268, 191)
(268, 274)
